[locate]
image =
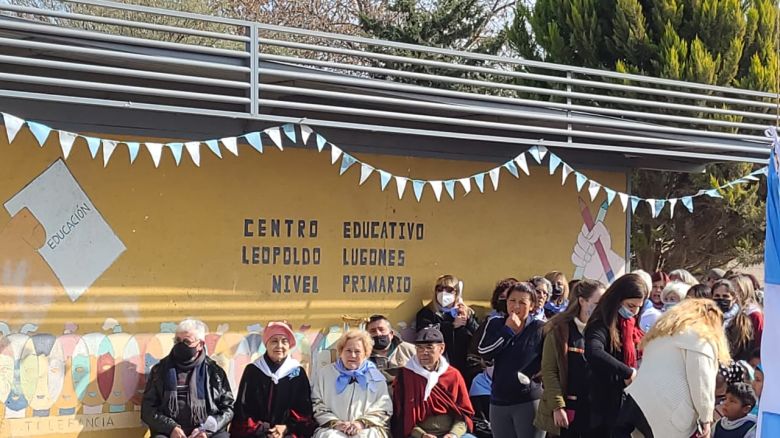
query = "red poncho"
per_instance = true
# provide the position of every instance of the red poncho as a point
(449, 396)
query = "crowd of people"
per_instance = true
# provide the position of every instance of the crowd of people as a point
(663, 355)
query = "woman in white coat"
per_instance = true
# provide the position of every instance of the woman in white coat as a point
(683, 351)
(350, 396)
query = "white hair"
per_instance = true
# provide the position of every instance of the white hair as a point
(675, 288)
(684, 276)
(193, 326)
(646, 277)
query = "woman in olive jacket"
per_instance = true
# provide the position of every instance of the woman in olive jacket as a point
(563, 409)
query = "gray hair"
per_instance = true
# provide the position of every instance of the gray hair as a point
(194, 326)
(646, 277)
(684, 276)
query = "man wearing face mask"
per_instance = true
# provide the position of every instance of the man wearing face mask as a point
(390, 352)
(187, 394)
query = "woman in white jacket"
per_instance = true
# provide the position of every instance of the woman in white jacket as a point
(673, 395)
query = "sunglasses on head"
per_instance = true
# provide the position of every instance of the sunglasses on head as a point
(449, 289)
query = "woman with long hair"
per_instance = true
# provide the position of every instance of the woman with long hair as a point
(747, 293)
(612, 339)
(563, 409)
(683, 350)
(739, 329)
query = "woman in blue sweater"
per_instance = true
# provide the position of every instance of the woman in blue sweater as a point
(514, 343)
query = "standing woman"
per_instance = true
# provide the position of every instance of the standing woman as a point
(476, 364)
(683, 350)
(752, 309)
(612, 339)
(514, 343)
(564, 408)
(456, 321)
(274, 397)
(739, 329)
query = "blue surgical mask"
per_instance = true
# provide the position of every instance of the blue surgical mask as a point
(668, 306)
(625, 313)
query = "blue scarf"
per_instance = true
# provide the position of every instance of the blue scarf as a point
(366, 376)
(555, 308)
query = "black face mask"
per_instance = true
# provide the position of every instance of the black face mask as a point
(381, 342)
(724, 304)
(557, 291)
(183, 353)
(501, 306)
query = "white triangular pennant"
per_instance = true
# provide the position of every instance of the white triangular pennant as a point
(276, 137)
(593, 189)
(542, 152)
(672, 204)
(565, 172)
(193, 148)
(108, 148)
(466, 183)
(305, 133)
(522, 163)
(436, 186)
(651, 203)
(155, 150)
(401, 183)
(623, 200)
(66, 142)
(494, 174)
(231, 144)
(365, 171)
(335, 153)
(13, 125)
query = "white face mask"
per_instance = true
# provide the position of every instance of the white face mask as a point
(445, 299)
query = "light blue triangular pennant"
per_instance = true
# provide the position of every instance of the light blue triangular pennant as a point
(418, 186)
(687, 201)
(133, 148)
(214, 146)
(450, 187)
(610, 195)
(384, 178)
(480, 179)
(581, 179)
(176, 149)
(534, 151)
(659, 206)
(94, 145)
(289, 131)
(320, 142)
(40, 131)
(346, 161)
(713, 193)
(253, 138)
(634, 203)
(554, 162)
(510, 166)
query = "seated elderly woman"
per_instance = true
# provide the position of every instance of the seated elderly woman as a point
(274, 397)
(350, 396)
(187, 394)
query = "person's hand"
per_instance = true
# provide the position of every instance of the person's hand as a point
(630, 380)
(513, 322)
(354, 428)
(450, 435)
(585, 257)
(277, 431)
(460, 320)
(197, 433)
(705, 430)
(177, 432)
(341, 426)
(560, 418)
(427, 435)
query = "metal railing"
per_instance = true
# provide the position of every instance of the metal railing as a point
(119, 55)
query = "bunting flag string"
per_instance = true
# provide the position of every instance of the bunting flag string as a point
(68, 140)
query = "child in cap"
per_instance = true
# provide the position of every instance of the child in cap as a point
(737, 421)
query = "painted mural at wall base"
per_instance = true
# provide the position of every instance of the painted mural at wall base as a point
(98, 264)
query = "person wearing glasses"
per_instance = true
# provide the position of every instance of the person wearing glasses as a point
(187, 394)
(612, 339)
(274, 396)
(456, 321)
(430, 398)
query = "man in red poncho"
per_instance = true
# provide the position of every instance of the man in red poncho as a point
(430, 398)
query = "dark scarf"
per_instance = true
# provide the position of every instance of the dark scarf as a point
(197, 387)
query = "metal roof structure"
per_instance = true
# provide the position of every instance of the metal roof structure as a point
(120, 69)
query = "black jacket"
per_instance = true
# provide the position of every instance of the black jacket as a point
(456, 340)
(219, 399)
(608, 375)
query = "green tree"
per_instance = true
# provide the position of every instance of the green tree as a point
(719, 42)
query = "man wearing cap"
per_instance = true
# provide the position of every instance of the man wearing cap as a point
(430, 398)
(390, 352)
(274, 396)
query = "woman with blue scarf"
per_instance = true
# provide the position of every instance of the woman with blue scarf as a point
(350, 396)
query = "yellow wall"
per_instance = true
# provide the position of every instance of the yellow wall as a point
(183, 228)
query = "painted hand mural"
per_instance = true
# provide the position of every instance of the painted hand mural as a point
(593, 256)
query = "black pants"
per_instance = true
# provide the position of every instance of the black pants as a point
(216, 435)
(631, 417)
